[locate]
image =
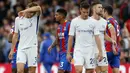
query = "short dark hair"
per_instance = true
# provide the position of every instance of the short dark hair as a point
(109, 9)
(84, 4)
(62, 11)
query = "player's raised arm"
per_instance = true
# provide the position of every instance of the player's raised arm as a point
(30, 8)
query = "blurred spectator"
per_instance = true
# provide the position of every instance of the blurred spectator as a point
(73, 10)
(55, 5)
(3, 10)
(124, 12)
(48, 59)
(2, 45)
(127, 28)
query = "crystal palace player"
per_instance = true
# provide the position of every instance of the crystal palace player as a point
(113, 30)
(13, 59)
(62, 40)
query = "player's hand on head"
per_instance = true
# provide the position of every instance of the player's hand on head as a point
(22, 13)
(10, 56)
(69, 57)
(100, 56)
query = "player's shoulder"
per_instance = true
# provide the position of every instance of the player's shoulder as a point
(17, 18)
(92, 19)
(67, 22)
(102, 19)
(75, 19)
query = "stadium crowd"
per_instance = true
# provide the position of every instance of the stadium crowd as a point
(10, 8)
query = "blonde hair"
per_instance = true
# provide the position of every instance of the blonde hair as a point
(32, 4)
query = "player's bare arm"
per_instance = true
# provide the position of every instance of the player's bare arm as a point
(98, 42)
(10, 37)
(107, 38)
(32, 9)
(113, 36)
(55, 43)
(14, 41)
(70, 44)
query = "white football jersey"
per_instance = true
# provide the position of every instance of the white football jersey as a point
(102, 23)
(84, 31)
(27, 27)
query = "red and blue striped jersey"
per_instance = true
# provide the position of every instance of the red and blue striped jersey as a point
(112, 22)
(63, 35)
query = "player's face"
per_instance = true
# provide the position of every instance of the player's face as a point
(104, 13)
(84, 13)
(30, 15)
(58, 16)
(98, 9)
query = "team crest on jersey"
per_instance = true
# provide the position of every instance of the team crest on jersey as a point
(90, 26)
(61, 35)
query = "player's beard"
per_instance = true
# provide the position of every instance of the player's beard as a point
(99, 14)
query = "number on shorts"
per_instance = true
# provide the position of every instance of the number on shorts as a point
(91, 61)
(104, 58)
(61, 64)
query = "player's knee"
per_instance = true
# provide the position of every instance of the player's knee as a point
(20, 70)
(61, 71)
(115, 70)
(78, 70)
(90, 71)
(32, 69)
(97, 70)
(104, 72)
